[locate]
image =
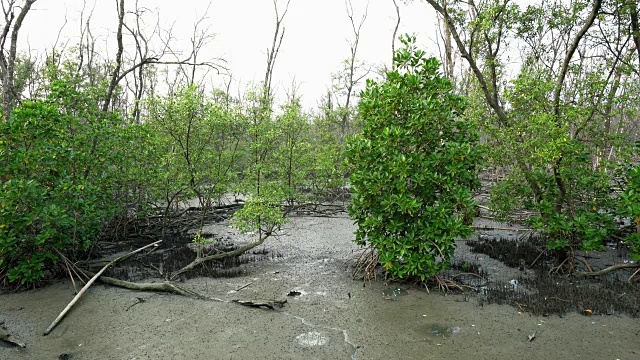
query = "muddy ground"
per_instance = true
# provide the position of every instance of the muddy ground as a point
(332, 317)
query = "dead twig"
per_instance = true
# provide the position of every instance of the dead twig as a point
(243, 286)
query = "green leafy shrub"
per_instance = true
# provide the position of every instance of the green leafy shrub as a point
(58, 167)
(413, 167)
(628, 206)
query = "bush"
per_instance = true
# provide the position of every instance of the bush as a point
(57, 172)
(413, 167)
(628, 206)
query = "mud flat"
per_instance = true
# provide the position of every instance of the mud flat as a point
(331, 315)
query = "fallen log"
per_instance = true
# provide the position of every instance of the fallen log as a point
(606, 270)
(89, 283)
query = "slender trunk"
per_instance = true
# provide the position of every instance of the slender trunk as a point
(116, 71)
(8, 91)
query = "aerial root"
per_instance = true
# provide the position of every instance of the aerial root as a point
(366, 262)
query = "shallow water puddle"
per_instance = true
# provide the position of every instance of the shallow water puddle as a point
(392, 294)
(438, 330)
(312, 338)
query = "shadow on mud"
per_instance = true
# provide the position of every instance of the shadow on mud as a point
(540, 291)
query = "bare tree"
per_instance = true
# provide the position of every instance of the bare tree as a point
(353, 45)
(272, 53)
(449, 56)
(8, 58)
(144, 56)
(116, 71)
(395, 34)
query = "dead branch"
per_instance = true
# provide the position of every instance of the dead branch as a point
(607, 270)
(269, 304)
(499, 228)
(166, 287)
(89, 283)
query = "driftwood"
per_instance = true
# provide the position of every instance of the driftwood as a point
(166, 287)
(239, 251)
(89, 283)
(607, 270)
(269, 304)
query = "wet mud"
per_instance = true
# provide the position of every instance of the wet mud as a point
(331, 315)
(542, 290)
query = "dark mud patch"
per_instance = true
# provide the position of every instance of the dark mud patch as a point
(179, 251)
(515, 254)
(546, 294)
(540, 291)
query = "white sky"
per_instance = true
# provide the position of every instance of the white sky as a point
(314, 46)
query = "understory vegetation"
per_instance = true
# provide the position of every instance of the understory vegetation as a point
(94, 148)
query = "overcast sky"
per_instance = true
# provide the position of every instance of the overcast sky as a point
(314, 46)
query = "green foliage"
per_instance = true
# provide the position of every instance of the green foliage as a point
(193, 146)
(294, 154)
(556, 177)
(628, 206)
(59, 156)
(413, 168)
(201, 242)
(328, 152)
(262, 181)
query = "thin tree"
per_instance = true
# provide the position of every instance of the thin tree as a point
(10, 30)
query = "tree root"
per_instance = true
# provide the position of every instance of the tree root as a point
(239, 251)
(166, 287)
(446, 285)
(608, 270)
(367, 262)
